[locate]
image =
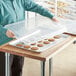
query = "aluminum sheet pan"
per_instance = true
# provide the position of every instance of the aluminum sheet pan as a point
(45, 46)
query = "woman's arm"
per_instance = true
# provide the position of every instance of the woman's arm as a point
(30, 5)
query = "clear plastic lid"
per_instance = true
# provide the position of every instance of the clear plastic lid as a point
(37, 33)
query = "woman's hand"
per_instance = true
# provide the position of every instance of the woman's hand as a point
(10, 34)
(55, 19)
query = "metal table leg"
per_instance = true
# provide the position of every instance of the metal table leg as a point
(7, 64)
(50, 67)
(42, 68)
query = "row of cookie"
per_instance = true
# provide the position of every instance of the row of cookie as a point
(35, 46)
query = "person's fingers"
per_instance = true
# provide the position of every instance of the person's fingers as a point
(10, 34)
(55, 19)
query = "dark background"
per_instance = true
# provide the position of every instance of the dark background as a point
(2, 64)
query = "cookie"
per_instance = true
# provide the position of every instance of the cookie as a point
(33, 44)
(34, 48)
(27, 46)
(57, 36)
(51, 39)
(19, 45)
(46, 42)
(40, 45)
(39, 41)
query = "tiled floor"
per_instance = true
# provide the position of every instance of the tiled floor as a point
(64, 64)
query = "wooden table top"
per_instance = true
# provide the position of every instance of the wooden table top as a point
(39, 56)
